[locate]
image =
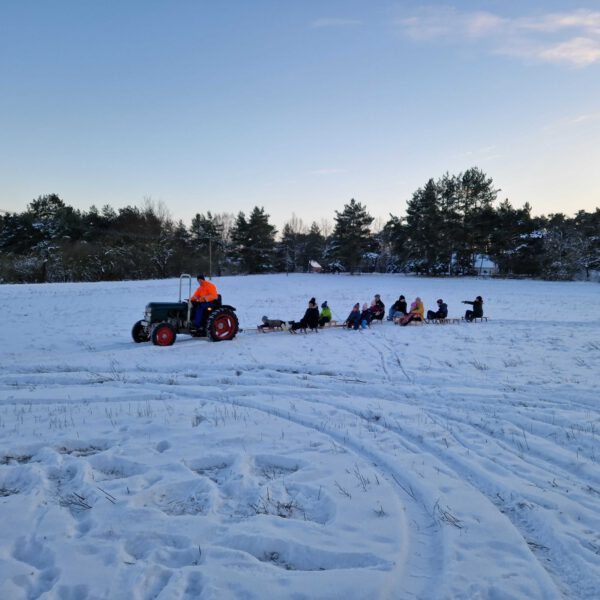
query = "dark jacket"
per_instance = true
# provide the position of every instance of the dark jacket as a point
(477, 307)
(366, 315)
(353, 318)
(311, 318)
(378, 309)
(442, 310)
(400, 306)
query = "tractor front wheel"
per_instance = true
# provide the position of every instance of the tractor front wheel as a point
(222, 324)
(139, 333)
(163, 334)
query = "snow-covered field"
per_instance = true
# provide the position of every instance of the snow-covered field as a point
(457, 461)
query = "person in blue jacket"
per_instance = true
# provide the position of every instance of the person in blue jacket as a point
(366, 316)
(353, 320)
(440, 313)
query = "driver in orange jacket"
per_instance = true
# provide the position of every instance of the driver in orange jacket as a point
(202, 297)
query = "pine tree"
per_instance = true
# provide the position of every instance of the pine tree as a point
(351, 235)
(515, 241)
(314, 244)
(475, 197)
(254, 239)
(423, 230)
(587, 228)
(207, 241)
(291, 245)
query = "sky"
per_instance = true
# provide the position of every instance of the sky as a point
(297, 106)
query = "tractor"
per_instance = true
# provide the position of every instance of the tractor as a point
(164, 320)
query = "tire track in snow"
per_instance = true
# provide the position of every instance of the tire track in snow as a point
(420, 559)
(425, 520)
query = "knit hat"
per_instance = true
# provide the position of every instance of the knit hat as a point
(440, 301)
(357, 305)
(312, 301)
(200, 276)
(402, 297)
(324, 305)
(479, 298)
(265, 318)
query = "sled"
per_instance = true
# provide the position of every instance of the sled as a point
(270, 329)
(398, 321)
(304, 330)
(475, 320)
(445, 321)
(331, 325)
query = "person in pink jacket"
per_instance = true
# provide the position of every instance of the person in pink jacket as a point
(416, 312)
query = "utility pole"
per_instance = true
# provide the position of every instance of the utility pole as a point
(210, 241)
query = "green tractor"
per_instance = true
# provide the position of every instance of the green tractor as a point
(164, 320)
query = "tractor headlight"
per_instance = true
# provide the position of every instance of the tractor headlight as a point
(148, 315)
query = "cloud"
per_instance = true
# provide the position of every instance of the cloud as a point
(580, 52)
(571, 121)
(334, 22)
(584, 118)
(447, 23)
(571, 39)
(585, 20)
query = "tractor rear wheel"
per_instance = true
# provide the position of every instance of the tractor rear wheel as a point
(222, 324)
(139, 333)
(163, 334)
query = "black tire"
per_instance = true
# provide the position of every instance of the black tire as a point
(139, 333)
(163, 334)
(221, 325)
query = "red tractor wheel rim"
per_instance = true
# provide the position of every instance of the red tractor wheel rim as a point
(164, 336)
(224, 327)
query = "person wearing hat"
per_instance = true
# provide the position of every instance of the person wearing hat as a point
(353, 320)
(477, 311)
(204, 296)
(310, 319)
(325, 316)
(398, 309)
(440, 313)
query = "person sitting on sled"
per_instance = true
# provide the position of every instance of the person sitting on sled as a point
(353, 320)
(325, 316)
(366, 316)
(398, 309)
(310, 319)
(440, 313)
(416, 313)
(477, 311)
(377, 308)
(203, 297)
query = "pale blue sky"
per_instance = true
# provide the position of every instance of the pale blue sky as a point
(297, 105)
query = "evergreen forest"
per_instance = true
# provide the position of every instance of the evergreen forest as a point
(449, 226)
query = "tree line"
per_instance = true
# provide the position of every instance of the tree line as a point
(449, 224)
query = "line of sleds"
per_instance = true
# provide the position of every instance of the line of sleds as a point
(446, 321)
(286, 327)
(341, 325)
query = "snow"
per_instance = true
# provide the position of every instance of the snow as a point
(435, 461)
